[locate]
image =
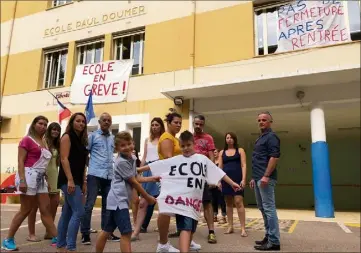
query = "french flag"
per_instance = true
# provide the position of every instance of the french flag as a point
(63, 111)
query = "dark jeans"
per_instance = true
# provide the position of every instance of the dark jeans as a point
(95, 184)
(218, 200)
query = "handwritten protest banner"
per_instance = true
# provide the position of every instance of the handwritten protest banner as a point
(303, 24)
(108, 82)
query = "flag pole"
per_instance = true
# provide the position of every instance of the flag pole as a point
(52, 94)
(56, 99)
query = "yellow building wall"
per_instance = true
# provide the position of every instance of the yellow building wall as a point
(24, 72)
(71, 62)
(224, 35)
(7, 10)
(25, 8)
(108, 47)
(168, 46)
(221, 36)
(2, 73)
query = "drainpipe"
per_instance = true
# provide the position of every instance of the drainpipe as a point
(194, 39)
(3, 79)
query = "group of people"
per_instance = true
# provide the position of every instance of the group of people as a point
(182, 175)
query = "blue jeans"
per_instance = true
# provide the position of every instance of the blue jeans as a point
(94, 185)
(120, 219)
(265, 197)
(186, 223)
(72, 211)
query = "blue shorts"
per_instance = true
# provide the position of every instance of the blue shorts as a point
(186, 223)
(118, 219)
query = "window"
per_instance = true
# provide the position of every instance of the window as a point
(54, 68)
(130, 46)
(353, 9)
(90, 52)
(60, 2)
(114, 129)
(266, 32)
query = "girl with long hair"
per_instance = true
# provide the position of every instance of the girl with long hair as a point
(72, 180)
(233, 162)
(150, 155)
(52, 138)
(33, 159)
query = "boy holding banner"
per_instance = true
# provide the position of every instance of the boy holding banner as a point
(190, 172)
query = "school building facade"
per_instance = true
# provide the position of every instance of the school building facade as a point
(217, 58)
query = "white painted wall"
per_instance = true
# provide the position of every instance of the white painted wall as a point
(9, 157)
(139, 87)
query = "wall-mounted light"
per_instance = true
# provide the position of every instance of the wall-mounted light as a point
(178, 101)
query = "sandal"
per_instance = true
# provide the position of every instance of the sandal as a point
(229, 231)
(244, 233)
(35, 239)
(134, 238)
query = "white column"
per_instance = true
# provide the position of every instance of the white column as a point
(318, 128)
(191, 115)
(322, 183)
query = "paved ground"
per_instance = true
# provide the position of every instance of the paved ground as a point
(296, 236)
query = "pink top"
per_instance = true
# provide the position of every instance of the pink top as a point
(203, 143)
(33, 149)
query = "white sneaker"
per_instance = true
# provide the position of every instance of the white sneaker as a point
(166, 248)
(194, 246)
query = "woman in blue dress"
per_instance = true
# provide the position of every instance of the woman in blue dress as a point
(233, 163)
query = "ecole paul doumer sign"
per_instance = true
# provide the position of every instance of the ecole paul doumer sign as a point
(95, 21)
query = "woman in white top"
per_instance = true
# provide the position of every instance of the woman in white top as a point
(150, 155)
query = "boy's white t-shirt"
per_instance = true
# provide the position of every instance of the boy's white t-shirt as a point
(182, 183)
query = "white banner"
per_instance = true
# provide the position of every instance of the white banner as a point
(303, 24)
(107, 80)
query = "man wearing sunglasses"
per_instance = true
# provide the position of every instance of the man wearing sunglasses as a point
(264, 177)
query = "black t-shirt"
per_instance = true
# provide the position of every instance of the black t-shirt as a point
(77, 159)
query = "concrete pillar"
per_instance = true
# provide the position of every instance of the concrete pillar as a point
(71, 62)
(108, 49)
(321, 165)
(191, 115)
